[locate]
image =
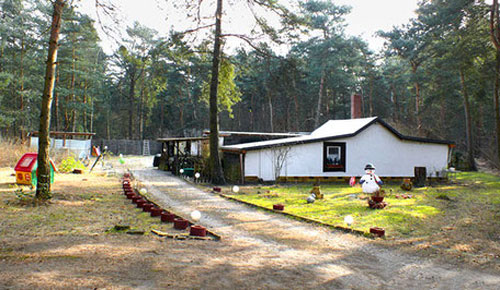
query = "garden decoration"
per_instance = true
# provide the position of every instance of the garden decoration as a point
(121, 159)
(370, 183)
(310, 199)
(349, 220)
(198, 231)
(352, 181)
(278, 207)
(379, 232)
(407, 184)
(27, 170)
(195, 215)
(180, 224)
(317, 192)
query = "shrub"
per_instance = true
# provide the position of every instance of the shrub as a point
(70, 163)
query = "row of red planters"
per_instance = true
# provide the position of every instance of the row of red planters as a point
(166, 216)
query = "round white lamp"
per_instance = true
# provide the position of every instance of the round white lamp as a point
(348, 220)
(195, 215)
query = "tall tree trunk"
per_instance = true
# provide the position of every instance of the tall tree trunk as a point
(108, 125)
(56, 103)
(370, 96)
(141, 115)
(471, 164)
(84, 114)
(252, 108)
(495, 38)
(43, 181)
(216, 165)
(270, 105)
(395, 101)
(162, 118)
(21, 88)
(496, 100)
(131, 96)
(296, 103)
(320, 97)
(414, 69)
(73, 83)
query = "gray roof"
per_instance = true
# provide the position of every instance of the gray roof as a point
(333, 129)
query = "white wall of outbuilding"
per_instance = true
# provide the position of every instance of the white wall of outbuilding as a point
(376, 144)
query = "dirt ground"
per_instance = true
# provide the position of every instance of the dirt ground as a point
(65, 245)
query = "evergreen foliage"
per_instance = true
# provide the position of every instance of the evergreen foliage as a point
(434, 78)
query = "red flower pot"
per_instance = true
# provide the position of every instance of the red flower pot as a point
(147, 207)
(377, 199)
(198, 231)
(136, 198)
(180, 224)
(130, 195)
(379, 232)
(156, 211)
(278, 207)
(217, 189)
(167, 217)
(140, 203)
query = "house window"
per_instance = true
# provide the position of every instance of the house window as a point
(334, 156)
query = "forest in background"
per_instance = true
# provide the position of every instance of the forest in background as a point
(437, 77)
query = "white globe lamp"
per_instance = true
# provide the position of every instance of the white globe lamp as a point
(195, 215)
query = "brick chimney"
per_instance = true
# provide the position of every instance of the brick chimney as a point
(356, 106)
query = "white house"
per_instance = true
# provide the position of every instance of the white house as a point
(341, 149)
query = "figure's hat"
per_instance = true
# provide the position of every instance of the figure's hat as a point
(369, 166)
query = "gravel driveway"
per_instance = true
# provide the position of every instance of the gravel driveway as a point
(266, 250)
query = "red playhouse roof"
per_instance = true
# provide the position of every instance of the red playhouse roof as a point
(28, 161)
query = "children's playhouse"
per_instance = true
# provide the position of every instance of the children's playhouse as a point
(26, 169)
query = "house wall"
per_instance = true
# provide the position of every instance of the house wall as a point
(390, 155)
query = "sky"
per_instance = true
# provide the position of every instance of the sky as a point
(366, 17)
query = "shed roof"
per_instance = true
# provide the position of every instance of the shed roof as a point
(258, 134)
(181, 139)
(333, 129)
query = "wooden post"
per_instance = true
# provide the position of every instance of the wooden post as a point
(242, 168)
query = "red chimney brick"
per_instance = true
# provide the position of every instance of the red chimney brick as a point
(356, 106)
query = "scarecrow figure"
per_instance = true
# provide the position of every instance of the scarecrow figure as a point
(370, 182)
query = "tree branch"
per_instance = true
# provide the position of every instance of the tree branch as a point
(494, 22)
(194, 29)
(249, 41)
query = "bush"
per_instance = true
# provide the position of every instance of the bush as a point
(70, 163)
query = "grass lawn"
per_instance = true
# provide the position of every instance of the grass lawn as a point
(461, 217)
